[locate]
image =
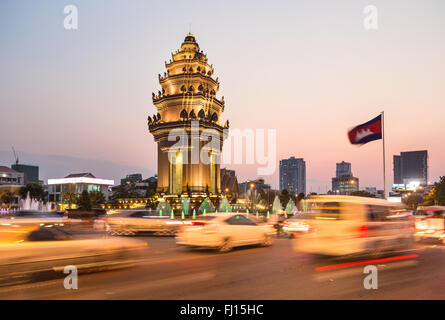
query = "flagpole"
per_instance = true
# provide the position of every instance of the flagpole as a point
(384, 167)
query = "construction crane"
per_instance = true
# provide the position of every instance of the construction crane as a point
(15, 156)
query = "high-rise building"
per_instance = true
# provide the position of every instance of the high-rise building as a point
(293, 175)
(30, 172)
(344, 182)
(411, 166)
(343, 169)
(187, 102)
(345, 185)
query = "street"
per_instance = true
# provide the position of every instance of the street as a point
(277, 272)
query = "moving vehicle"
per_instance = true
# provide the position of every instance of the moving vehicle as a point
(30, 252)
(430, 223)
(131, 222)
(349, 225)
(223, 231)
(296, 225)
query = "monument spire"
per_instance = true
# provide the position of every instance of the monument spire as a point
(187, 99)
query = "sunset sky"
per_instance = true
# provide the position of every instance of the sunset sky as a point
(308, 69)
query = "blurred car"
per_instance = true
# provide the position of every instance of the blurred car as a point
(430, 223)
(296, 225)
(223, 231)
(348, 225)
(30, 251)
(131, 222)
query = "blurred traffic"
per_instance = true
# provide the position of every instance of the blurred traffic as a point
(35, 246)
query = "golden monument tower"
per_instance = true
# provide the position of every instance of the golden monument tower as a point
(187, 103)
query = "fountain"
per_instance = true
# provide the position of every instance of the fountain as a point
(225, 205)
(33, 204)
(207, 205)
(163, 207)
(290, 208)
(276, 206)
(185, 206)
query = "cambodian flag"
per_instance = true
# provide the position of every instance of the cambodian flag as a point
(366, 132)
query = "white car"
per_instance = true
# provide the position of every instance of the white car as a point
(296, 225)
(223, 231)
(430, 223)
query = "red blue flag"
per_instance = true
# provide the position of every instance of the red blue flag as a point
(366, 132)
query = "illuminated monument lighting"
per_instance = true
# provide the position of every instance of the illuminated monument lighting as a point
(188, 100)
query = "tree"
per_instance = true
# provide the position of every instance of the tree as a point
(362, 193)
(84, 201)
(68, 196)
(35, 190)
(300, 197)
(284, 197)
(429, 198)
(267, 196)
(97, 198)
(413, 200)
(7, 197)
(439, 193)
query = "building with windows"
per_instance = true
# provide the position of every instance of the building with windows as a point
(11, 181)
(345, 185)
(257, 184)
(77, 183)
(343, 169)
(132, 178)
(344, 182)
(10, 177)
(411, 167)
(188, 102)
(31, 173)
(293, 175)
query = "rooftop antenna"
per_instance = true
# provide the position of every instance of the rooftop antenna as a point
(15, 156)
(190, 27)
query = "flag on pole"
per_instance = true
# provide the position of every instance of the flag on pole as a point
(366, 132)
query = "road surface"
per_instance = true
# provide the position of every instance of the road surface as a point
(277, 272)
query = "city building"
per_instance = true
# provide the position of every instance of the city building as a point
(345, 185)
(343, 169)
(411, 167)
(132, 178)
(293, 175)
(344, 182)
(375, 192)
(77, 183)
(257, 184)
(229, 183)
(10, 180)
(136, 187)
(187, 101)
(31, 173)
